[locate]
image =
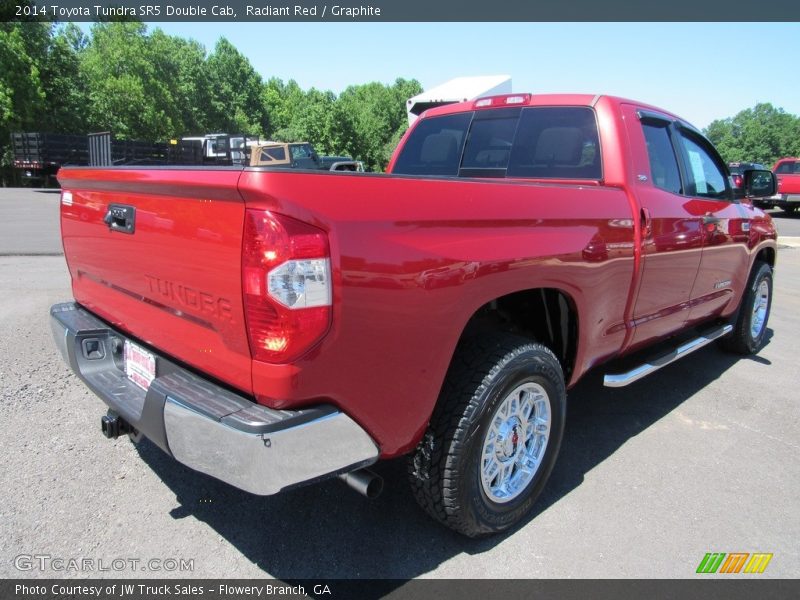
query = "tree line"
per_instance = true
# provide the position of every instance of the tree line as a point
(761, 134)
(148, 85)
(142, 84)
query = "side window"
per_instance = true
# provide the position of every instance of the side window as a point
(273, 153)
(434, 147)
(556, 143)
(663, 164)
(300, 151)
(706, 177)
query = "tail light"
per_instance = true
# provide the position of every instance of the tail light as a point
(286, 285)
(738, 180)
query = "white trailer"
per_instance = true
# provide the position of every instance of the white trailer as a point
(459, 89)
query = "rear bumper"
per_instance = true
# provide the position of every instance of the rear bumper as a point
(205, 426)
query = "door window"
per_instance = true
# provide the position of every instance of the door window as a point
(663, 164)
(706, 178)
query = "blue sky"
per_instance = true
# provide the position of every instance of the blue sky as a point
(701, 71)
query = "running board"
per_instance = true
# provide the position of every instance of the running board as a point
(623, 379)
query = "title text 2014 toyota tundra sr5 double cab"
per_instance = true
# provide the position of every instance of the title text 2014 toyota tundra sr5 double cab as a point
(276, 327)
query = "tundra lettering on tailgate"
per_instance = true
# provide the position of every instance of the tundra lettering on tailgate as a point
(191, 298)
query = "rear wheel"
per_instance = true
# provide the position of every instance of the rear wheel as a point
(494, 436)
(750, 327)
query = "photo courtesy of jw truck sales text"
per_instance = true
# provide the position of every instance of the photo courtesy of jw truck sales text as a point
(619, 228)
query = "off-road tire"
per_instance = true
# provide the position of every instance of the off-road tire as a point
(742, 340)
(444, 470)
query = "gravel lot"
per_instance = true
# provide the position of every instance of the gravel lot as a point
(700, 457)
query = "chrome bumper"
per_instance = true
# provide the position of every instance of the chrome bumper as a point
(208, 427)
(266, 463)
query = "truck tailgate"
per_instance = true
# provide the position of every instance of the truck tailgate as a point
(173, 279)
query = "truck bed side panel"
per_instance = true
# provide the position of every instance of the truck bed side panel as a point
(413, 259)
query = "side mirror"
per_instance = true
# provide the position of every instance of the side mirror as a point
(759, 183)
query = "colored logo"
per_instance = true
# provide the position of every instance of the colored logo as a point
(734, 562)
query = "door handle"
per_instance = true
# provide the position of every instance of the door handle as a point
(710, 219)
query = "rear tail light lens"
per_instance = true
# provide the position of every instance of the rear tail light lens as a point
(286, 284)
(301, 283)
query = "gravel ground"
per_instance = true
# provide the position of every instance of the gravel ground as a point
(700, 457)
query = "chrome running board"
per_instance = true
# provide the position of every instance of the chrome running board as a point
(623, 379)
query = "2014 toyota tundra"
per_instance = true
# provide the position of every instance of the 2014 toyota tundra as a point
(275, 327)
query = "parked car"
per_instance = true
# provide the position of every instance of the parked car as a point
(300, 155)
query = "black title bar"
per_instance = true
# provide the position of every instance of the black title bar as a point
(401, 10)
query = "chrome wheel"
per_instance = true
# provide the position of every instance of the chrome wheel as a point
(515, 442)
(760, 306)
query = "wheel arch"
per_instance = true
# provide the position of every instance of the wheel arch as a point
(767, 255)
(544, 314)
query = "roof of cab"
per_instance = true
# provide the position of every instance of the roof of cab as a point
(527, 99)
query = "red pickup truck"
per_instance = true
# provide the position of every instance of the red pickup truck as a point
(276, 327)
(787, 197)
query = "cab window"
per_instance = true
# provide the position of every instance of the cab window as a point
(664, 170)
(706, 177)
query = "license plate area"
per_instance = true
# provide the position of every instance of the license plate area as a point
(140, 365)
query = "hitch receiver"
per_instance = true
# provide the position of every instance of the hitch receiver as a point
(113, 426)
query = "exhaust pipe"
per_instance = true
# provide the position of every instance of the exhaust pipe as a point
(365, 482)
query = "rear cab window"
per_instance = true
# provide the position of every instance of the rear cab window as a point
(545, 142)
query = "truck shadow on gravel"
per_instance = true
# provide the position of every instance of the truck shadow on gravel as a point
(328, 531)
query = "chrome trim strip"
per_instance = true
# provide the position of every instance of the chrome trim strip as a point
(266, 463)
(623, 379)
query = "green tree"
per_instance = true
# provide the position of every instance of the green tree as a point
(150, 85)
(759, 134)
(63, 83)
(236, 92)
(23, 47)
(281, 101)
(376, 115)
(127, 93)
(181, 66)
(316, 118)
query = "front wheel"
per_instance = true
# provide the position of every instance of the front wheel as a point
(494, 435)
(750, 327)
